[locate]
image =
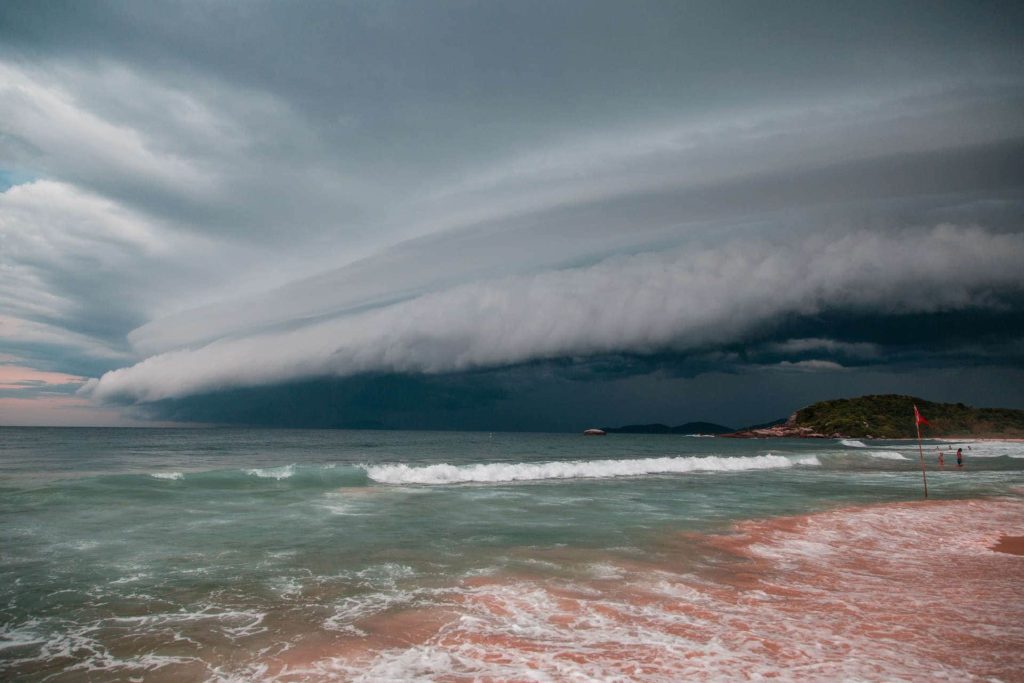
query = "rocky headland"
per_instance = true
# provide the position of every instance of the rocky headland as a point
(890, 416)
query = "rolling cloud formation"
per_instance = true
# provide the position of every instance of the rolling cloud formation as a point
(679, 300)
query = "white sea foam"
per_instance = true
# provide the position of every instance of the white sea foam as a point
(883, 454)
(887, 455)
(343, 508)
(385, 574)
(278, 473)
(584, 469)
(605, 570)
(288, 587)
(988, 449)
(80, 644)
(13, 638)
(131, 578)
(666, 626)
(167, 475)
(350, 609)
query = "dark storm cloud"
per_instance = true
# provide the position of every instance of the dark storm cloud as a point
(940, 186)
(676, 299)
(364, 402)
(222, 197)
(537, 398)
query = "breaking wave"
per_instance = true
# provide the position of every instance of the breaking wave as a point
(283, 472)
(584, 469)
(853, 443)
(887, 455)
(292, 476)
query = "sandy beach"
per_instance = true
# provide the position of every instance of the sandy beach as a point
(1013, 545)
(910, 591)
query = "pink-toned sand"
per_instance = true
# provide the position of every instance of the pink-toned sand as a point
(915, 591)
(1013, 545)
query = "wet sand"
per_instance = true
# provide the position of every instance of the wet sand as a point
(1013, 545)
(912, 591)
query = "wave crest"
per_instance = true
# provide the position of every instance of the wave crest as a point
(167, 475)
(283, 472)
(887, 455)
(583, 469)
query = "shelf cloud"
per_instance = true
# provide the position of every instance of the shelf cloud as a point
(642, 303)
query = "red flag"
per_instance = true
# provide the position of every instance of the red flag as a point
(918, 419)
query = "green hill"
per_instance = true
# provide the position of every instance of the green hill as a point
(891, 416)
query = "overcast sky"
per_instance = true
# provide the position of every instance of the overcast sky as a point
(523, 215)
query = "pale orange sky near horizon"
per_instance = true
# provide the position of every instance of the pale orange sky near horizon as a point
(57, 408)
(19, 376)
(51, 409)
(64, 411)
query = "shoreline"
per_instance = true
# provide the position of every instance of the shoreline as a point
(821, 437)
(863, 592)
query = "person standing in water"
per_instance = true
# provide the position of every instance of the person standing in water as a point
(942, 461)
(959, 457)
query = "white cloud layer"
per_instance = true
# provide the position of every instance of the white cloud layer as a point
(641, 303)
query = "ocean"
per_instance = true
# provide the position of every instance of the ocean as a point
(293, 555)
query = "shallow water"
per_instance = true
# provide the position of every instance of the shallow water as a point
(241, 554)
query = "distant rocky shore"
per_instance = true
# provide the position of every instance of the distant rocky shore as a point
(702, 428)
(883, 416)
(788, 429)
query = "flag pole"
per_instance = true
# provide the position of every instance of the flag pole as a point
(920, 451)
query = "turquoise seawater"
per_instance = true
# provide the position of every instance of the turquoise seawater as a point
(196, 554)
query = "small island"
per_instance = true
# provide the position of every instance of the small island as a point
(701, 428)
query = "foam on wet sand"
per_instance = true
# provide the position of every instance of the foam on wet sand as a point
(909, 591)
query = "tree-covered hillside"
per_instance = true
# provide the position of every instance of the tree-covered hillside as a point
(892, 416)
